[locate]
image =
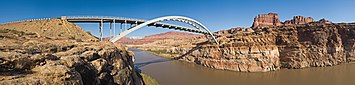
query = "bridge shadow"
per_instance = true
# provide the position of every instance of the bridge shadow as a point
(139, 65)
(198, 46)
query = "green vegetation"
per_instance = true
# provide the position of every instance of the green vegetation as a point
(160, 52)
(20, 33)
(163, 53)
(149, 80)
(157, 51)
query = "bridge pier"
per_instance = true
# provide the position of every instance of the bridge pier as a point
(120, 28)
(101, 31)
(125, 25)
(110, 29)
(114, 27)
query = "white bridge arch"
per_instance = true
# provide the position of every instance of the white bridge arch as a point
(157, 22)
(186, 20)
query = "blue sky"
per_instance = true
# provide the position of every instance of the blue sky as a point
(215, 14)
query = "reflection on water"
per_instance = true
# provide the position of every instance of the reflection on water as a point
(172, 72)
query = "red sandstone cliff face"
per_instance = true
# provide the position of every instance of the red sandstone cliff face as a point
(270, 19)
(157, 37)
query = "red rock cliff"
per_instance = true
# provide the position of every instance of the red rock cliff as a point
(270, 19)
(299, 20)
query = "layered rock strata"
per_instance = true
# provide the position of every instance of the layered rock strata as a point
(270, 19)
(299, 20)
(238, 51)
(269, 48)
(310, 45)
(30, 55)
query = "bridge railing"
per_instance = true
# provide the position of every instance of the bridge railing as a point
(30, 20)
(102, 17)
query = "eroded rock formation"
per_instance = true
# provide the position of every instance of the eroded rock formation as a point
(44, 52)
(239, 50)
(270, 19)
(324, 21)
(310, 45)
(299, 20)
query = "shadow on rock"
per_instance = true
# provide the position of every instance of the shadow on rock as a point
(198, 46)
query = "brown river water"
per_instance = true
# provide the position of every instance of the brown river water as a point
(174, 72)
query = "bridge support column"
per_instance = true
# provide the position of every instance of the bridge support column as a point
(101, 31)
(125, 25)
(110, 29)
(121, 28)
(114, 27)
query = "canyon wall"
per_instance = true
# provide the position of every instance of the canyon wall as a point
(310, 45)
(347, 33)
(45, 52)
(239, 50)
(301, 43)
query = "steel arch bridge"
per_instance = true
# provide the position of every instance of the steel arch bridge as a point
(137, 23)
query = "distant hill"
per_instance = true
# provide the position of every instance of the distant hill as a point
(156, 37)
(53, 28)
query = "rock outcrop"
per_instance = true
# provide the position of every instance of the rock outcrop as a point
(44, 52)
(310, 45)
(270, 19)
(347, 33)
(239, 50)
(299, 20)
(324, 21)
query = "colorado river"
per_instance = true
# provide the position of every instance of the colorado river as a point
(173, 72)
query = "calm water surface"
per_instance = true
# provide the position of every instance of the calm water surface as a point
(173, 72)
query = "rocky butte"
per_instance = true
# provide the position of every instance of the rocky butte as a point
(272, 19)
(267, 46)
(53, 52)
